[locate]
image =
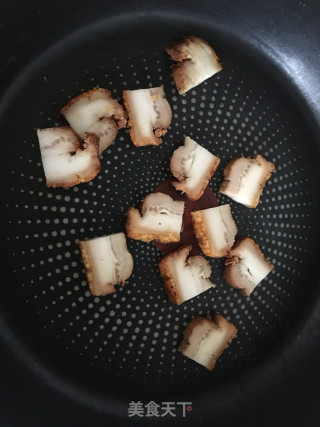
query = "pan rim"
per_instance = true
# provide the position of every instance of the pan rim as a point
(22, 353)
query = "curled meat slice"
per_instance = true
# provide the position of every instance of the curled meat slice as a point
(205, 339)
(67, 160)
(244, 179)
(107, 261)
(193, 166)
(183, 277)
(97, 112)
(149, 115)
(246, 266)
(160, 219)
(196, 62)
(215, 230)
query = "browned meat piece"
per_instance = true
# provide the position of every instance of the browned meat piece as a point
(205, 339)
(97, 112)
(107, 262)
(160, 219)
(215, 230)
(196, 62)
(67, 161)
(193, 166)
(246, 266)
(244, 179)
(184, 277)
(149, 115)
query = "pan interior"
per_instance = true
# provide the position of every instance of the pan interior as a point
(128, 341)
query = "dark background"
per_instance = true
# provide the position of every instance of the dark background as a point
(286, 390)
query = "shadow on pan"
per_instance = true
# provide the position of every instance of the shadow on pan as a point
(122, 346)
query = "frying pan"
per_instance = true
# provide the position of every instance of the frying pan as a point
(71, 358)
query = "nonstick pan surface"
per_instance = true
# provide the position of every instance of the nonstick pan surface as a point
(103, 352)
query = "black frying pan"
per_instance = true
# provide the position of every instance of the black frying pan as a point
(70, 358)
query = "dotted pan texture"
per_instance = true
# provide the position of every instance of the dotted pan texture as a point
(129, 340)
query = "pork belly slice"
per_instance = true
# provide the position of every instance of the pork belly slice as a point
(160, 219)
(215, 230)
(184, 277)
(196, 62)
(246, 266)
(244, 179)
(97, 112)
(205, 339)
(149, 115)
(193, 166)
(66, 160)
(107, 261)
